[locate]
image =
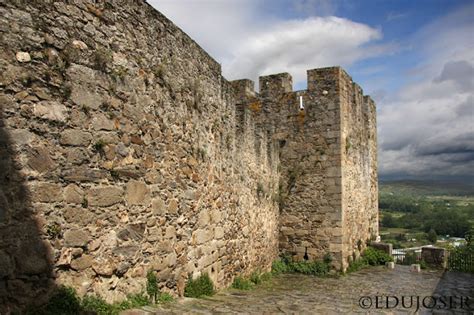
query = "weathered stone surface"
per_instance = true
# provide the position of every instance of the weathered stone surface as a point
(75, 137)
(21, 136)
(82, 263)
(173, 206)
(104, 267)
(126, 251)
(150, 159)
(104, 196)
(100, 122)
(32, 259)
(137, 193)
(132, 232)
(83, 174)
(47, 192)
(158, 206)
(22, 56)
(86, 98)
(204, 218)
(73, 194)
(78, 214)
(219, 232)
(202, 236)
(76, 238)
(40, 160)
(50, 111)
(6, 264)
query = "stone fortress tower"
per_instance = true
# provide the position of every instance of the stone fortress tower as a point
(328, 161)
(123, 149)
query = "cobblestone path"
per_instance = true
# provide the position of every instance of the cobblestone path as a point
(299, 294)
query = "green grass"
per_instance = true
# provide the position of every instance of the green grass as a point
(287, 265)
(242, 284)
(256, 278)
(370, 257)
(201, 286)
(65, 301)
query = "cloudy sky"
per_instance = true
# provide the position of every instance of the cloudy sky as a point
(416, 58)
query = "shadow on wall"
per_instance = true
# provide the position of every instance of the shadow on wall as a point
(26, 276)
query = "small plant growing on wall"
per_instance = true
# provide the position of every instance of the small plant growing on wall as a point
(53, 230)
(359, 245)
(348, 144)
(99, 146)
(84, 203)
(260, 190)
(201, 286)
(86, 110)
(152, 286)
(67, 91)
(255, 107)
(240, 283)
(115, 175)
(202, 153)
(159, 71)
(102, 58)
(197, 94)
(119, 73)
(293, 175)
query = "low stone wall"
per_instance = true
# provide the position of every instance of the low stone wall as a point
(435, 256)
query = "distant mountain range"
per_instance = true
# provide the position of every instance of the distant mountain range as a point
(434, 187)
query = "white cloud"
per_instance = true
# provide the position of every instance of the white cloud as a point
(298, 45)
(248, 42)
(428, 128)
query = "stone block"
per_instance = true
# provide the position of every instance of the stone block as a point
(435, 256)
(73, 194)
(75, 137)
(47, 192)
(104, 196)
(137, 193)
(82, 263)
(51, 111)
(76, 238)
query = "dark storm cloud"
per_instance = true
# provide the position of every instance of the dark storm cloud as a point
(427, 128)
(466, 108)
(459, 72)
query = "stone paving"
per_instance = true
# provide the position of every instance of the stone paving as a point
(299, 294)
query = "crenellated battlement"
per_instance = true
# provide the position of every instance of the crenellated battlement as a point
(327, 142)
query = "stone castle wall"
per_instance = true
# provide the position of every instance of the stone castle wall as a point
(359, 169)
(328, 188)
(121, 152)
(124, 150)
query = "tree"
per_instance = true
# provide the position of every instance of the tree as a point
(432, 236)
(388, 220)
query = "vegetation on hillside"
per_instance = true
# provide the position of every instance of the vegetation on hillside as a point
(410, 213)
